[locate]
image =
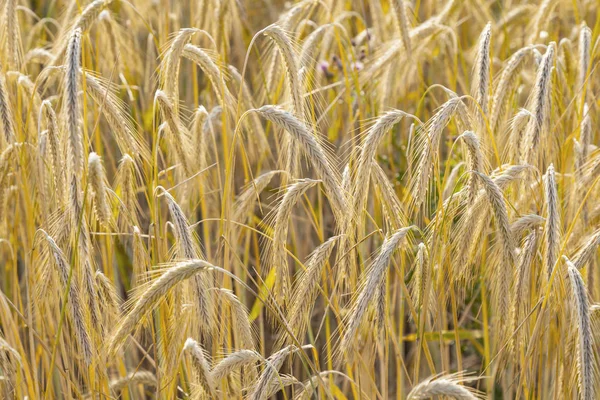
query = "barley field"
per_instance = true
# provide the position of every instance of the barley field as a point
(321, 199)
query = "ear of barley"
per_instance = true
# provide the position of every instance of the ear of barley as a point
(109, 299)
(505, 86)
(373, 137)
(376, 11)
(445, 13)
(475, 161)
(540, 107)
(402, 21)
(97, 181)
(71, 106)
(155, 292)
(10, 362)
(310, 45)
(270, 373)
(188, 248)
(282, 41)
(284, 46)
(421, 277)
(13, 35)
(125, 131)
(517, 134)
(429, 145)
(141, 259)
(520, 296)
(585, 38)
(90, 13)
(73, 301)
(126, 183)
(346, 179)
(585, 350)
(257, 132)
(240, 318)
(313, 151)
(212, 71)
(311, 384)
(417, 34)
(5, 167)
(6, 115)
(514, 14)
(380, 307)
(201, 366)
(525, 223)
(552, 227)
(481, 73)
(79, 228)
(180, 137)
(585, 136)
(109, 24)
(246, 200)
(503, 279)
(55, 148)
(474, 219)
(44, 175)
(451, 180)
(170, 70)
(393, 207)
(448, 386)
(280, 383)
(541, 17)
(586, 253)
(133, 378)
(371, 280)
(307, 289)
(40, 55)
(82, 23)
(280, 232)
(589, 171)
(33, 98)
(198, 135)
(233, 362)
(86, 260)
